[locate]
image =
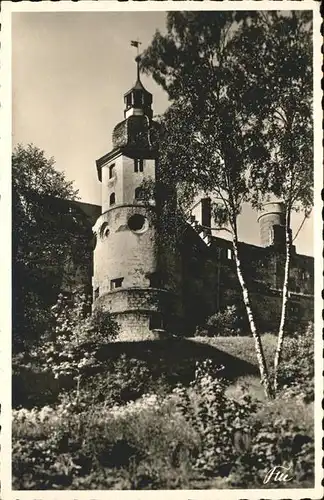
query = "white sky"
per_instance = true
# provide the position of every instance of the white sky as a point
(69, 74)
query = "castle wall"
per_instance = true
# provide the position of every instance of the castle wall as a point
(208, 274)
(210, 283)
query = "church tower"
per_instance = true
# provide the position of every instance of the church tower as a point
(127, 278)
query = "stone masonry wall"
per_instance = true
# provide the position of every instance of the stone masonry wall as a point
(135, 327)
(133, 299)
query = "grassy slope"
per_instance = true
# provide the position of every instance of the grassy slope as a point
(243, 347)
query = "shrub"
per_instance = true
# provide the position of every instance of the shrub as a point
(122, 380)
(31, 385)
(72, 318)
(224, 323)
(296, 372)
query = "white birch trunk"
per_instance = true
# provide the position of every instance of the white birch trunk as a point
(285, 296)
(257, 340)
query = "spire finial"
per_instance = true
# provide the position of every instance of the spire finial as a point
(138, 59)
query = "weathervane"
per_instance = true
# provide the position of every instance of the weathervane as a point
(136, 43)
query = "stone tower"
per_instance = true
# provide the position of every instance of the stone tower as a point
(127, 278)
(272, 224)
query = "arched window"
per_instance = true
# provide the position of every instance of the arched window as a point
(129, 100)
(104, 230)
(111, 171)
(112, 199)
(138, 165)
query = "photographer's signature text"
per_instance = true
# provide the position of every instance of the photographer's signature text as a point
(278, 474)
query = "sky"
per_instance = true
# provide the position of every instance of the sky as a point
(69, 73)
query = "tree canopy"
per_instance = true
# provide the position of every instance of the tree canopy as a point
(285, 66)
(240, 86)
(213, 124)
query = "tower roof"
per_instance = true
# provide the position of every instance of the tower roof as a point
(136, 131)
(138, 101)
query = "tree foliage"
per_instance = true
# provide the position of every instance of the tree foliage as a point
(45, 236)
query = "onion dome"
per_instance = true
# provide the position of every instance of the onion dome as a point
(135, 131)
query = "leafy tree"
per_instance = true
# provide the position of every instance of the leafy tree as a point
(212, 129)
(284, 68)
(45, 235)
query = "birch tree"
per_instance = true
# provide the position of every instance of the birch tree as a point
(213, 138)
(285, 61)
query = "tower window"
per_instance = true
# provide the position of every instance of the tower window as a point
(305, 275)
(229, 254)
(112, 199)
(271, 236)
(294, 308)
(116, 283)
(129, 100)
(138, 98)
(138, 165)
(96, 293)
(155, 280)
(104, 230)
(111, 171)
(138, 193)
(137, 222)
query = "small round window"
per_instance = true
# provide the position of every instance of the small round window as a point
(137, 223)
(104, 230)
